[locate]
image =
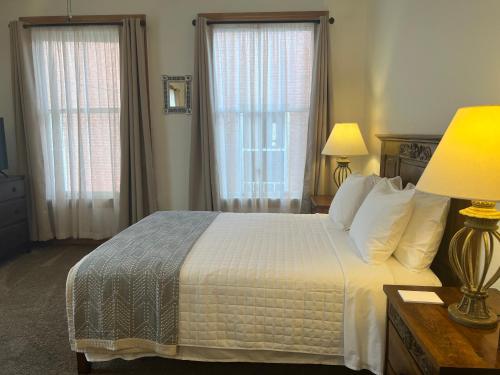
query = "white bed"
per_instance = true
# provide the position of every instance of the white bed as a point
(281, 288)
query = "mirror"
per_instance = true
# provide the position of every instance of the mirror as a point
(177, 94)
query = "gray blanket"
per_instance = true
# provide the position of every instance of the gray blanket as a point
(124, 295)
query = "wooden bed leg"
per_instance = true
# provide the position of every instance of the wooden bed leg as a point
(84, 366)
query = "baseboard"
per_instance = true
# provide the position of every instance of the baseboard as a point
(69, 242)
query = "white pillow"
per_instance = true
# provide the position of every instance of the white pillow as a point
(420, 241)
(381, 221)
(397, 182)
(349, 197)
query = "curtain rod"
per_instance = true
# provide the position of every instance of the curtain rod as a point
(331, 20)
(76, 23)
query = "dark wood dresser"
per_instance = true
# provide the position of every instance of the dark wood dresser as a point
(422, 339)
(14, 235)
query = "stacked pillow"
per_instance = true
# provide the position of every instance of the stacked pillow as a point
(385, 220)
(381, 221)
(348, 199)
(420, 241)
(351, 195)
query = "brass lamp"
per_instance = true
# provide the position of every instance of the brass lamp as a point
(344, 140)
(466, 165)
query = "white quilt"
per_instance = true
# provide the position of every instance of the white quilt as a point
(263, 281)
(283, 283)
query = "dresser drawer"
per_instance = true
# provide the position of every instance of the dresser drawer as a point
(412, 347)
(11, 189)
(400, 362)
(12, 211)
(13, 238)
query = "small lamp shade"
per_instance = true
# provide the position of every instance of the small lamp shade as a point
(466, 163)
(345, 140)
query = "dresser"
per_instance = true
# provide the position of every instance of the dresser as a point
(14, 235)
(422, 339)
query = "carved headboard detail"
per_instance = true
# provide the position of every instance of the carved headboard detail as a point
(407, 156)
(415, 151)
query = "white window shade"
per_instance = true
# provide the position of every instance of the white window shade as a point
(262, 86)
(77, 77)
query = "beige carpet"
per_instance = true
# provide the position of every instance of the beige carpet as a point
(33, 331)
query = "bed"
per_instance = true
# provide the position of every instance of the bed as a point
(276, 288)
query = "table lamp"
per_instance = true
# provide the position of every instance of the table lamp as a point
(344, 140)
(466, 165)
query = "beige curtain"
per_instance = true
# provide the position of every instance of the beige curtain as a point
(137, 187)
(317, 179)
(28, 132)
(80, 123)
(203, 179)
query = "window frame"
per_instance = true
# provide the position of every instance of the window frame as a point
(298, 17)
(104, 197)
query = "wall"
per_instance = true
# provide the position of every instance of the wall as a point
(170, 46)
(399, 66)
(428, 58)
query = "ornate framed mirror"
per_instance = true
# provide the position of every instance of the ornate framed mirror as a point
(177, 94)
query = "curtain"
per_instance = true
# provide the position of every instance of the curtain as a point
(262, 84)
(137, 187)
(77, 79)
(317, 177)
(262, 79)
(31, 159)
(203, 184)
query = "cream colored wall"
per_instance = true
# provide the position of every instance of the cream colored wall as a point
(399, 66)
(428, 58)
(170, 46)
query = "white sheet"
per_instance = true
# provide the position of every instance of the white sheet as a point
(365, 301)
(278, 283)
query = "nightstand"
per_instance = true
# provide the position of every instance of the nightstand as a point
(320, 204)
(422, 339)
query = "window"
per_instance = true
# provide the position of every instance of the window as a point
(77, 76)
(262, 85)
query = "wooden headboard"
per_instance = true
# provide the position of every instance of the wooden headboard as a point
(407, 156)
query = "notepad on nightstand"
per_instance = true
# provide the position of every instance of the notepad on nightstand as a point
(420, 296)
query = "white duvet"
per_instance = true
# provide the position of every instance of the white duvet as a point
(284, 283)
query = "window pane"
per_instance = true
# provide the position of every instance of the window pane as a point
(78, 92)
(262, 82)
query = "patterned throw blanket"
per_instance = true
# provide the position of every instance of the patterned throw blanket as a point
(124, 295)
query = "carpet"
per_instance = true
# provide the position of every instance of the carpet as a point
(33, 329)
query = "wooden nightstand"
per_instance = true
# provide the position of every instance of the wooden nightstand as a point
(421, 339)
(320, 204)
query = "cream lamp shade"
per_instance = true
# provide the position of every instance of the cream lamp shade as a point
(345, 140)
(466, 163)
